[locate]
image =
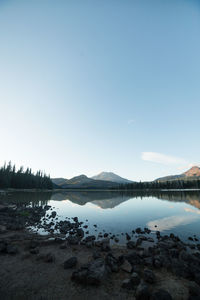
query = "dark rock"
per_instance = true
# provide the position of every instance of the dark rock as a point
(96, 255)
(126, 266)
(128, 237)
(90, 238)
(73, 240)
(130, 245)
(49, 258)
(34, 251)
(70, 263)
(138, 230)
(142, 292)
(135, 279)
(194, 289)
(105, 235)
(112, 262)
(80, 232)
(33, 244)
(161, 295)
(53, 214)
(105, 245)
(149, 276)
(10, 249)
(127, 284)
(91, 274)
(3, 246)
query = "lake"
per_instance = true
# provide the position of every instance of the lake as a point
(119, 213)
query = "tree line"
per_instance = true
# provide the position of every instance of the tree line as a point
(156, 185)
(23, 179)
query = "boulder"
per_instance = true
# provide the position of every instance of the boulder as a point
(49, 258)
(70, 263)
(91, 274)
(161, 295)
(142, 292)
(149, 276)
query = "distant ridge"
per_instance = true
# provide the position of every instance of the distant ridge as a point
(109, 176)
(82, 181)
(192, 173)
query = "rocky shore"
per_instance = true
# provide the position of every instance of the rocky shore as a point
(68, 263)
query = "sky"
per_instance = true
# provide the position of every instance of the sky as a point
(89, 86)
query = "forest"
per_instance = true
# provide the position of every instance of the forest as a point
(23, 179)
(158, 185)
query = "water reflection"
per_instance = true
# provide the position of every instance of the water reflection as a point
(120, 212)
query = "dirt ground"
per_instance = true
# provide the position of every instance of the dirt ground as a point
(25, 276)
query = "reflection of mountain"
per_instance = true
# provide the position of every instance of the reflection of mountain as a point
(101, 199)
(104, 199)
(112, 199)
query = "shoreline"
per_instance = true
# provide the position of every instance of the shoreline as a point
(84, 265)
(96, 190)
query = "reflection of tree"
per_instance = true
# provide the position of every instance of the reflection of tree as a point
(190, 197)
(27, 198)
(107, 199)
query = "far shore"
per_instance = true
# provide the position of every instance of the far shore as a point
(96, 190)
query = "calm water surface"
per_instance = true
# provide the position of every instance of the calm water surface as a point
(117, 213)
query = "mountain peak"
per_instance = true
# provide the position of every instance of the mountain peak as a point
(110, 176)
(194, 171)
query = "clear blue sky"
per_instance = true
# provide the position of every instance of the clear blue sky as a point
(91, 86)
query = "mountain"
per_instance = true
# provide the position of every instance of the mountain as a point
(82, 181)
(192, 173)
(59, 181)
(109, 176)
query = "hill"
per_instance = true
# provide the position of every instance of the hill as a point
(192, 174)
(82, 181)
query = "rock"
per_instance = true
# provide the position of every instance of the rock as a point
(89, 244)
(161, 295)
(112, 262)
(80, 232)
(105, 235)
(3, 247)
(127, 284)
(96, 255)
(105, 245)
(53, 214)
(138, 230)
(151, 240)
(49, 258)
(2, 229)
(73, 240)
(63, 246)
(194, 289)
(138, 242)
(90, 238)
(75, 219)
(128, 237)
(142, 292)
(130, 245)
(70, 263)
(33, 244)
(135, 279)
(91, 274)
(126, 266)
(10, 249)
(34, 251)
(149, 276)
